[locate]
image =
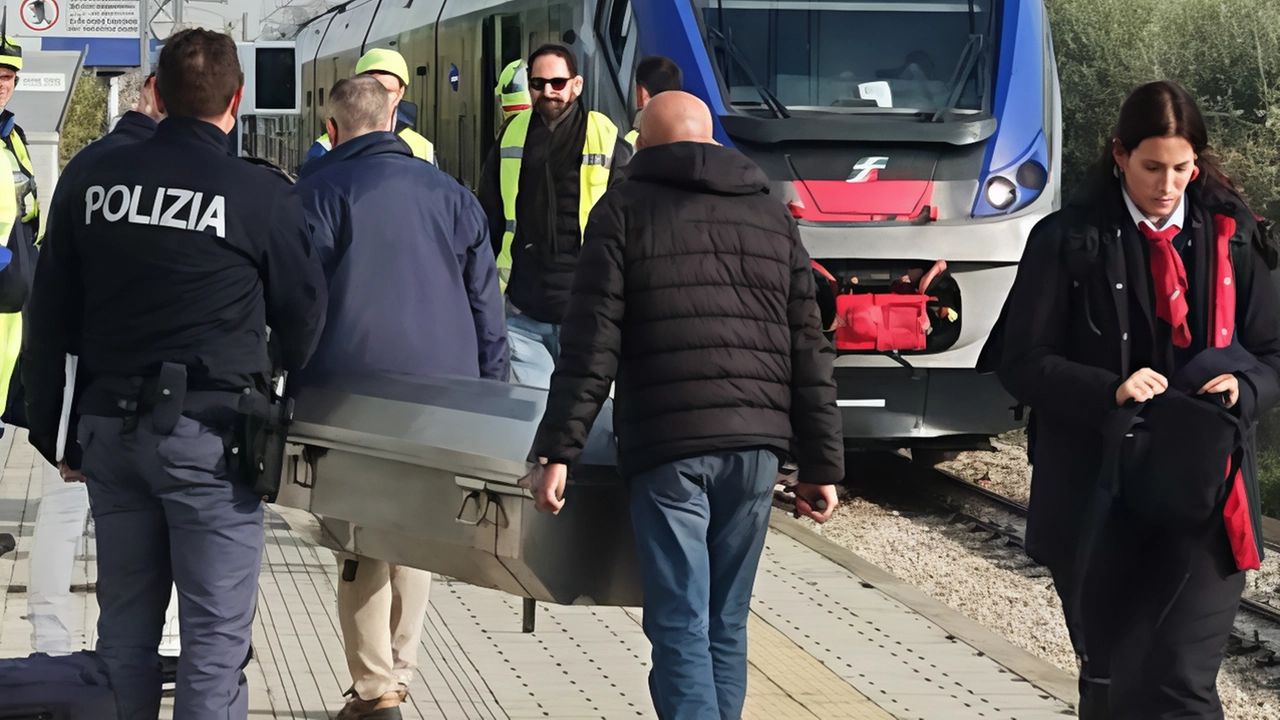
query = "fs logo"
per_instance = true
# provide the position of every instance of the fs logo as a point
(867, 169)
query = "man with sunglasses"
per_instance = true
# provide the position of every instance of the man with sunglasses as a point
(549, 167)
(389, 67)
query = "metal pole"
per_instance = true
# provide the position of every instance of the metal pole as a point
(530, 614)
(113, 100)
(144, 47)
(177, 15)
(244, 27)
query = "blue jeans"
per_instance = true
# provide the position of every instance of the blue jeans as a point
(535, 348)
(700, 527)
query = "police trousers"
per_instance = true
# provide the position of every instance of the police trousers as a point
(1154, 616)
(166, 513)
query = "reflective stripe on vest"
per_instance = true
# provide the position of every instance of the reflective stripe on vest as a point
(597, 156)
(24, 177)
(10, 323)
(420, 146)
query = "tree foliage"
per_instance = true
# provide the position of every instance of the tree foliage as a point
(1225, 52)
(86, 116)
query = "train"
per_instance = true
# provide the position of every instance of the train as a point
(910, 139)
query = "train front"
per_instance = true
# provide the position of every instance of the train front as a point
(916, 142)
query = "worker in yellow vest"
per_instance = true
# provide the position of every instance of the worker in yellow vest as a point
(13, 144)
(16, 278)
(548, 169)
(655, 74)
(15, 140)
(513, 90)
(392, 71)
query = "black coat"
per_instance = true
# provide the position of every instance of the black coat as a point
(169, 250)
(548, 235)
(694, 290)
(1080, 319)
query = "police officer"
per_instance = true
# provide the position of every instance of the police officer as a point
(549, 167)
(655, 74)
(165, 263)
(513, 90)
(392, 71)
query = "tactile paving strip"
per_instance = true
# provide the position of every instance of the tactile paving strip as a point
(899, 659)
(581, 662)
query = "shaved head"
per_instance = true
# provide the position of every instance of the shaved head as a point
(675, 116)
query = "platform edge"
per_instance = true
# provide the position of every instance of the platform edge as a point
(1040, 673)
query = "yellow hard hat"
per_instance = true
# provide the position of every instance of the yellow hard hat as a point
(386, 61)
(513, 89)
(11, 54)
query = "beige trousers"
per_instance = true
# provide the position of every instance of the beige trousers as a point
(381, 610)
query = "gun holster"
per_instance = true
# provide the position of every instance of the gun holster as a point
(256, 447)
(168, 398)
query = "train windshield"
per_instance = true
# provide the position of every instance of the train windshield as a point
(928, 57)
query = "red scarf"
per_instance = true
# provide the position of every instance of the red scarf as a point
(1170, 279)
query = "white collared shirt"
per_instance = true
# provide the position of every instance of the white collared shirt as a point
(1175, 218)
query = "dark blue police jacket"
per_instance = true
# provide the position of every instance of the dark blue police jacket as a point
(413, 284)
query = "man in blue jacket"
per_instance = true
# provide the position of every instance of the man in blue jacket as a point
(413, 293)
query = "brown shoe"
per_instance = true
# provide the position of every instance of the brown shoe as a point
(386, 707)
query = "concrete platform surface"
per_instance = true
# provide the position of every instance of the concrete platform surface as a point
(826, 640)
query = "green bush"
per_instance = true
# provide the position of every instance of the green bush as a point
(1227, 55)
(86, 116)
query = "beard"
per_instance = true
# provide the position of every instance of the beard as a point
(550, 109)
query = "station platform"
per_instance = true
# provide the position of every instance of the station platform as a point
(832, 637)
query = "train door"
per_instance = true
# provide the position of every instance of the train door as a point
(619, 45)
(501, 45)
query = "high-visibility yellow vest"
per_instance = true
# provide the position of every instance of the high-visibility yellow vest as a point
(421, 147)
(597, 156)
(10, 323)
(631, 137)
(23, 176)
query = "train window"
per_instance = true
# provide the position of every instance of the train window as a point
(276, 80)
(617, 28)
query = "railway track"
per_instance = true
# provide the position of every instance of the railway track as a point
(959, 494)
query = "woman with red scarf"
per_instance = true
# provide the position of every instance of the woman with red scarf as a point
(1143, 331)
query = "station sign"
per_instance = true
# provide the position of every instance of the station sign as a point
(107, 28)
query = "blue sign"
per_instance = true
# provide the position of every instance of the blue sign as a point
(453, 76)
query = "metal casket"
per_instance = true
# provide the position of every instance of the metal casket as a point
(425, 474)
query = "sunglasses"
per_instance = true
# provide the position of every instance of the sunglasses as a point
(555, 83)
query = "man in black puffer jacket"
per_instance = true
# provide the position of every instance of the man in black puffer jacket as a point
(693, 289)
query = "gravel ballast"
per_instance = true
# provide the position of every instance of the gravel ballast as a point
(1000, 587)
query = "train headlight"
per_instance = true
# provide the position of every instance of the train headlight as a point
(1001, 192)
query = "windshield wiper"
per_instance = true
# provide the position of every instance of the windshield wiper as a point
(779, 110)
(960, 76)
(965, 66)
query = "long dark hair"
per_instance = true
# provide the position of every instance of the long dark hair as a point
(1162, 109)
